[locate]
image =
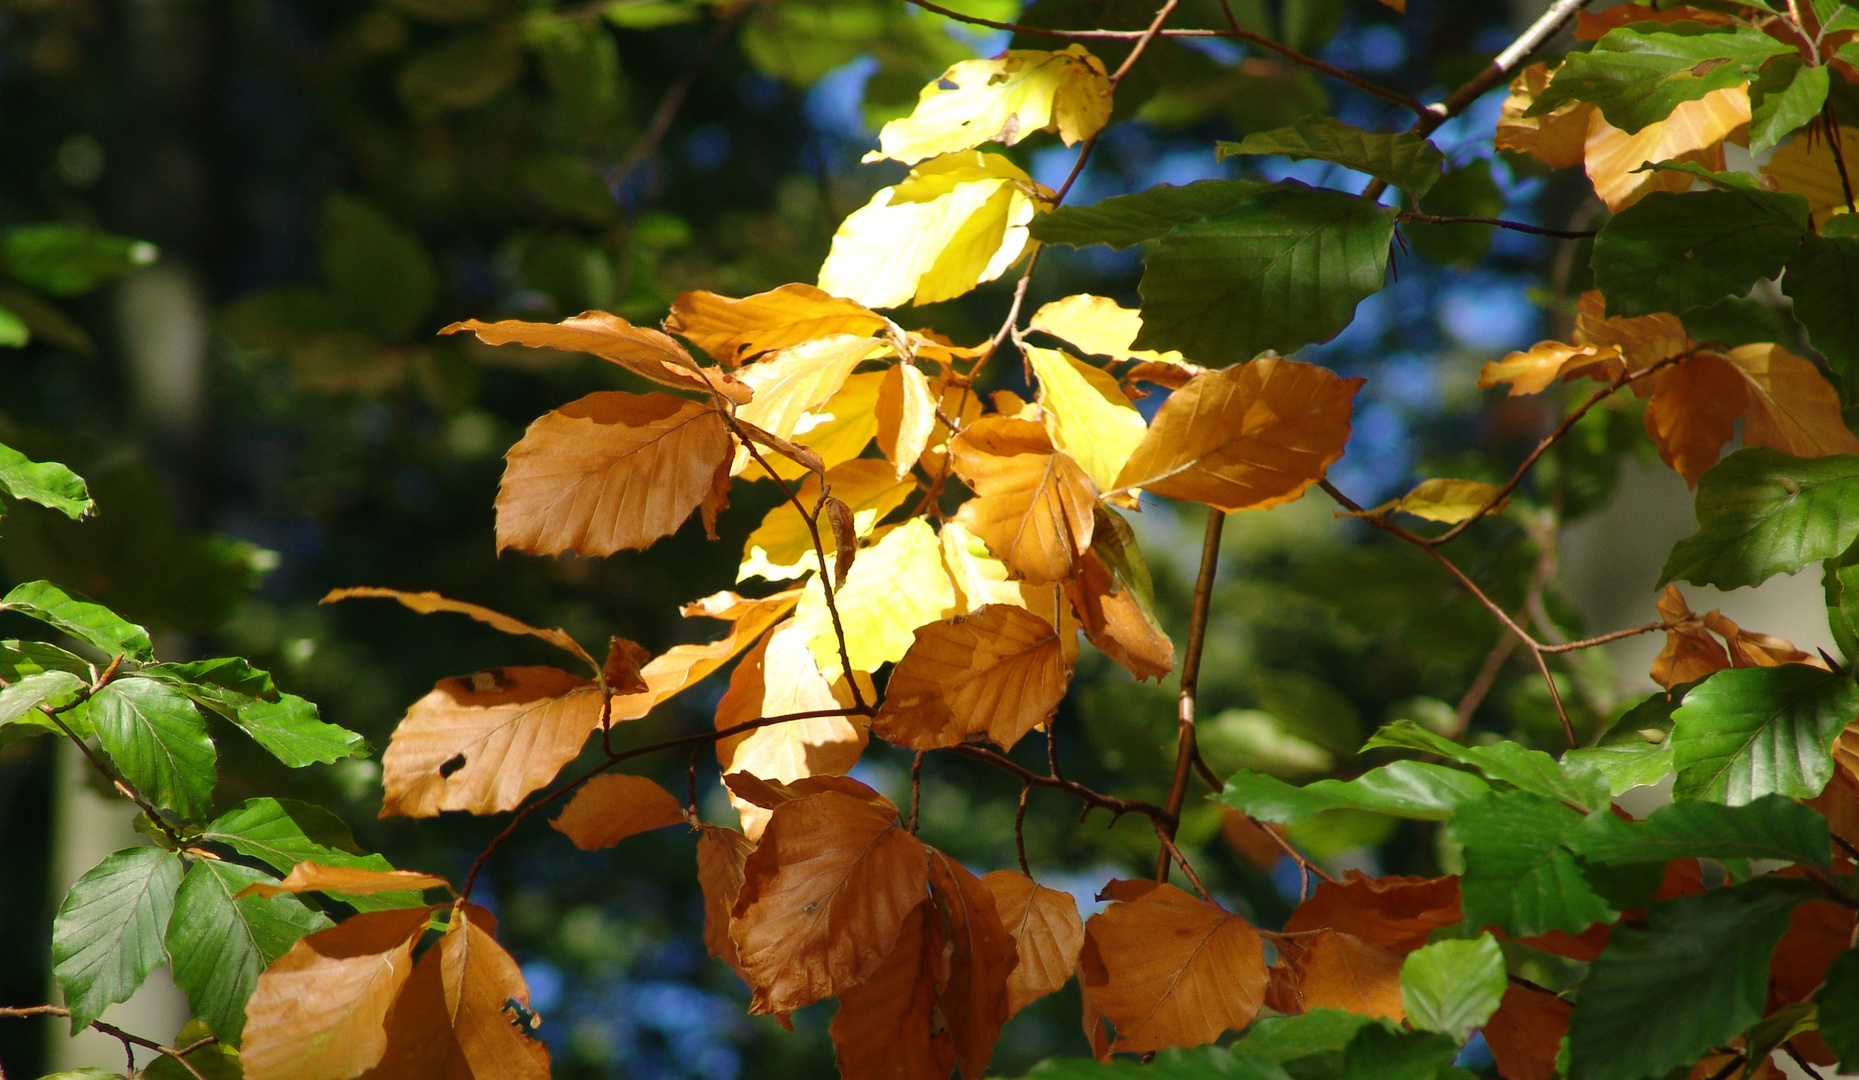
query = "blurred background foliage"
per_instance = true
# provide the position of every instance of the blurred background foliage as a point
(264, 412)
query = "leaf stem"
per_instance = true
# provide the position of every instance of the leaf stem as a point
(1185, 750)
(1514, 226)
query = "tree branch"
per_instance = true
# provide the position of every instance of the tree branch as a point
(1514, 226)
(1185, 750)
(128, 1039)
(1092, 800)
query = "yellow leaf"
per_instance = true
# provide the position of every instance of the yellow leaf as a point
(1245, 438)
(1694, 132)
(1641, 341)
(1792, 408)
(996, 674)
(608, 809)
(1531, 370)
(733, 331)
(1442, 500)
(1002, 100)
(1033, 503)
(309, 876)
(955, 221)
(683, 666)
(782, 547)
(1086, 414)
(1100, 326)
(639, 349)
(799, 378)
(838, 431)
(1558, 139)
(897, 585)
(906, 414)
(981, 579)
(1805, 164)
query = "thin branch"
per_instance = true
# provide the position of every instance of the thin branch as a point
(1481, 684)
(1308, 867)
(660, 125)
(1788, 1048)
(1170, 851)
(128, 1039)
(1019, 829)
(916, 791)
(1832, 121)
(1514, 226)
(1185, 749)
(122, 785)
(1092, 800)
(1614, 635)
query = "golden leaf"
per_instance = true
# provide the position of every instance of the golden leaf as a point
(781, 547)
(640, 350)
(1046, 932)
(513, 727)
(1694, 132)
(1792, 408)
(1641, 341)
(428, 602)
(897, 585)
(887, 1027)
(1033, 503)
(1086, 414)
(973, 1000)
(608, 809)
(1116, 621)
(838, 431)
(1102, 327)
(1805, 164)
(1002, 100)
(1443, 500)
(683, 666)
(1328, 969)
(1245, 438)
(1750, 649)
(608, 472)
(998, 673)
(1531, 370)
(733, 331)
(799, 379)
(1693, 412)
(1558, 139)
(720, 855)
(1690, 651)
(310, 876)
(906, 414)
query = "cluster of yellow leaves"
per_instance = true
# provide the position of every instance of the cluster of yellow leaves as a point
(1696, 394)
(1691, 651)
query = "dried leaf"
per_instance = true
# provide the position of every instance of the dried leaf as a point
(1170, 970)
(1329, 969)
(1693, 412)
(683, 666)
(1116, 621)
(888, 1028)
(1246, 438)
(1690, 651)
(769, 794)
(1694, 132)
(1557, 139)
(608, 472)
(623, 672)
(1086, 414)
(781, 547)
(974, 1000)
(1792, 408)
(823, 899)
(906, 415)
(428, 602)
(800, 378)
(638, 349)
(1442, 500)
(1047, 935)
(1032, 505)
(1532, 370)
(733, 331)
(837, 431)
(1396, 913)
(1004, 99)
(608, 809)
(320, 1010)
(720, 855)
(997, 673)
(309, 876)
(1750, 649)
(845, 538)
(514, 728)
(1526, 1033)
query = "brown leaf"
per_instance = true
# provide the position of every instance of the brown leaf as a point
(769, 794)
(1846, 751)
(888, 1027)
(514, 728)
(608, 472)
(320, 1010)
(823, 898)
(1396, 913)
(1032, 503)
(998, 673)
(1330, 969)
(1640, 341)
(1117, 623)
(1592, 27)
(309, 876)
(838, 430)
(720, 855)
(1530, 371)
(1525, 1034)
(906, 415)
(1170, 970)
(1047, 934)
(1250, 840)
(1690, 651)
(845, 537)
(450, 1020)
(1091, 1020)
(683, 666)
(957, 402)
(733, 331)
(1693, 412)
(1792, 408)
(621, 671)
(428, 602)
(974, 1000)
(1818, 931)
(1750, 649)
(640, 350)
(1246, 438)
(608, 809)
(1558, 139)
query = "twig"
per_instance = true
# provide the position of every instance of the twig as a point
(1614, 635)
(1185, 750)
(122, 785)
(1092, 800)
(128, 1039)
(1019, 829)
(1169, 850)
(1788, 1048)
(1832, 121)
(916, 791)
(1514, 226)
(660, 124)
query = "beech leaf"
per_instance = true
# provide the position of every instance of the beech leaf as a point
(1047, 935)
(887, 1026)
(608, 809)
(1032, 504)
(309, 876)
(997, 673)
(733, 331)
(1004, 99)
(427, 603)
(975, 1000)
(640, 350)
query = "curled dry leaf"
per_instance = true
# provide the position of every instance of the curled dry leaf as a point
(845, 537)
(769, 794)
(309, 876)
(320, 1010)
(640, 350)
(887, 1027)
(1530, 371)
(1396, 913)
(1641, 340)
(1246, 438)
(622, 672)
(781, 547)
(512, 728)
(720, 855)
(997, 673)
(974, 999)
(1047, 935)
(733, 331)
(1557, 139)
(823, 897)
(1033, 503)
(1525, 1034)
(1169, 970)
(1116, 620)
(608, 809)
(452, 1021)
(906, 415)
(1690, 651)
(1328, 969)
(610, 471)
(427, 603)
(682, 666)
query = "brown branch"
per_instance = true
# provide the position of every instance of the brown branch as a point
(1788, 1048)
(668, 105)
(122, 785)
(1169, 850)
(1612, 635)
(916, 791)
(1308, 867)
(128, 1039)
(1019, 829)
(1832, 122)
(1514, 226)
(1092, 800)
(1185, 750)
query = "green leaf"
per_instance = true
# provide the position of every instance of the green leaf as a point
(1836, 15)
(1406, 161)
(18, 659)
(284, 832)
(1767, 1035)
(1762, 513)
(1823, 282)
(218, 945)
(14, 333)
(1838, 1000)
(1280, 270)
(86, 1073)
(1677, 251)
(1279, 1039)
(1467, 191)
(1748, 732)
(109, 930)
(1123, 220)
(1453, 987)
(1409, 789)
(48, 688)
(1201, 1063)
(1637, 750)
(284, 724)
(461, 72)
(1518, 876)
(65, 260)
(380, 269)
(1638, 76)
(1379, 1052)
(1696, 977)
(83, 619)
(1785, 98)
(44, 482)
(159, 741)
(212, 1062)
(1772, 827)
(1504, 761)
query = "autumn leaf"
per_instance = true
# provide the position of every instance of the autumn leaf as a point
(1690, 651)
(781, 547)
(638, 349)
(720, 856)
(1694, 132)
(309, 876)
(1170, 970)
(955, 221)
(794, 381)
(1100, 326)
(769, 794)
(320, 1010)
(1047, 935)
(1246, 438)
(683, 666)
(1032, 504)
(427, 603)
(1443, 500)
(906, 415)
(1530, 371)
(1807, 166)
(608, 472)
(1750, 649)
(824, 896)
(452, 1020)
(997, 673)
(887, 1027)
(974, 1001)
(1115, 619)
(1396, 913)
(1641, 340)
(1086, 414)
(734, 331)
(608, 809)
(1693, 412)
(897, 585)
(512, 728)
(1558, 139)
(1792, 408)
(1004, 99)
(1329, 969)
(838, 431)
(1525, 1034)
